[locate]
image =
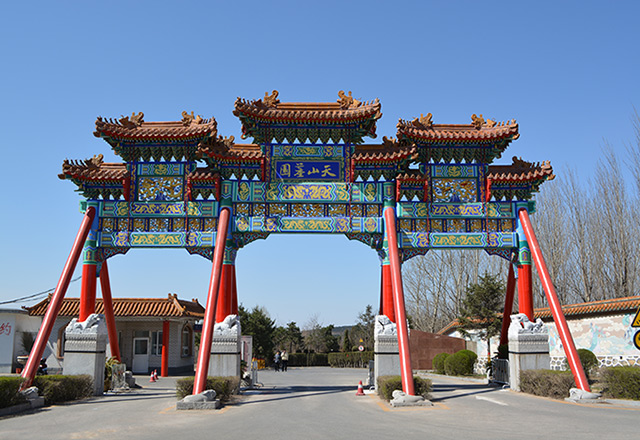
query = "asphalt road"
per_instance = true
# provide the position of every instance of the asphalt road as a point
(320, 403)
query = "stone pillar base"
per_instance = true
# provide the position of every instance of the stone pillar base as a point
(528, 348)
(84, 350)
(386, 352)
(226, 348)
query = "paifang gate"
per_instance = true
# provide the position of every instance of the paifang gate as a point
(182, 185)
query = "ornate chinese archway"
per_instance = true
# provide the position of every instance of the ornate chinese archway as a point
(182, 185)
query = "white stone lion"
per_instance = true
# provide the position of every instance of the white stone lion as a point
(522, 320)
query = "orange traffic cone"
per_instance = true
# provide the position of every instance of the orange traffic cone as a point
(155, 375)
(152, 378)
(360, 392)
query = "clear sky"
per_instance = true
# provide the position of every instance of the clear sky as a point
(567, 71)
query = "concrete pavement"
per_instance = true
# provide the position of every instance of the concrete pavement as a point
(320, 403)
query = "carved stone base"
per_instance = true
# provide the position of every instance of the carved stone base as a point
(386, 357)
(528, 350)
(84, 350)
(226, 348)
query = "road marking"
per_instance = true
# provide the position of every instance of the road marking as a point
(489, 399)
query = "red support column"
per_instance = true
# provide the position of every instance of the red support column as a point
(164, 366)
(508, 305)
(50, 316)
(88, 291)
(212, 300)
(554, 304)
(234, 291)
(109, 316)
(387, 293)
(398, 299)
(225, 293)
(525, 295)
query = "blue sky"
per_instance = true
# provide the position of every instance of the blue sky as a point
(567, 71)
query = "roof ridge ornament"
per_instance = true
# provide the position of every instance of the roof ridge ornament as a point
(135, 121)
(271, 100)
(423, 121)
(347, 102)
(477, 121)
(188, 119)
(388, 141)
(94, 162)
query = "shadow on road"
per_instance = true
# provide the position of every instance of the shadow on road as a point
(270, 394)
(454, 391)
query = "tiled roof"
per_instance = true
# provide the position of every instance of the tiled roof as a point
(388, 152)
(521, 170)
(138, 130)
(485, 132)
(226, 150)
(130, 307)
(609, 306)
(93, 169)
(317, 112)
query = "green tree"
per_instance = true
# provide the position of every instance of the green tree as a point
(480, 310)
(362, 332)
(289, 337)
(320, 338)
(258, 324)
(346, 342)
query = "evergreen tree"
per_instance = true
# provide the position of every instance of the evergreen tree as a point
(346, 341)
(258, 324)
(481, 308)
(362, 332)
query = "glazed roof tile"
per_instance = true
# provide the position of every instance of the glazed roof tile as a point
(488, 131)
(93, 169)
(390, 151)
(608, 306)
(171, 306)
(227, 150)
(521, 170)
(143, 131)
(307, 111)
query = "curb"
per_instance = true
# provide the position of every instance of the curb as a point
(31, 404)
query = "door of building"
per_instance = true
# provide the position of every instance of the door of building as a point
(140, 356)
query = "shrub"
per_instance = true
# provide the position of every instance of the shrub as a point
(353, 359)
(438, 362)
(9, 395)
(588, 360)
(460, 363)
(308, 360)
(503, 351)
(621, 382)
(547, 383)
(388, 384)
(59, 388)
(223, 386)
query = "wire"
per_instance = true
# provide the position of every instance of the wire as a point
(24, 298)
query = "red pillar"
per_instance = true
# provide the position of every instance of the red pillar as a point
(50, 316)
(109, 316)
(225, 294)
(234, 291)
(508, 306)
(212, 301)
(387, 293)
(398, 300)
(164, 366)
(88, 291)
(525, 296)
(554, 304)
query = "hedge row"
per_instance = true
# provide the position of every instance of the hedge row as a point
(308, 360)
(547, 383)
(9, 395)
(457, 364)
(58, 388)
(223, 386)
(388, 384)
(621, 382)
(354, 359)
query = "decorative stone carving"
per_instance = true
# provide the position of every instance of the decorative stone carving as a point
(84, 348)
(384, 326)
(203, 400)
(521, 324)
(400, 398)
(229, 328)
(93, 324)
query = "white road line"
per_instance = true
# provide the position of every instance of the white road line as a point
(488, 399)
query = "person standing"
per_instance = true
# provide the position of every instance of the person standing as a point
(285, 359)
(276, 361)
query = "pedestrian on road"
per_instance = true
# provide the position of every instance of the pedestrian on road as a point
(276, 361)
(285, 360)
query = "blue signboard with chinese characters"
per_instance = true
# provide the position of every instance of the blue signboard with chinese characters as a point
(307, 170)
